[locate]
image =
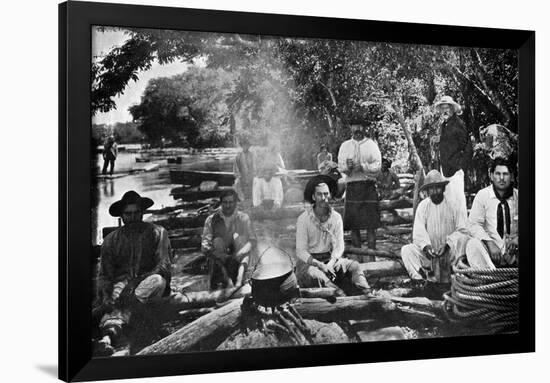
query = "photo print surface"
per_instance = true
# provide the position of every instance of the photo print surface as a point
(254, 191)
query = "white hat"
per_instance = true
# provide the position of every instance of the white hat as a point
(449, 101)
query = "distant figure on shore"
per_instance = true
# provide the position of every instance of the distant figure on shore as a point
(324, 158)
(110, 153)
(387, 182)
(134, 268)
(267, 192)
(244, 168)
(228, 240)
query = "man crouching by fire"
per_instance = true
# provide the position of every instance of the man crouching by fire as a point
(320, 243)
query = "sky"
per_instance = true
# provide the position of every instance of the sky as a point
(102, 42)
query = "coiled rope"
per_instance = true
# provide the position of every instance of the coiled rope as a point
(484, 298)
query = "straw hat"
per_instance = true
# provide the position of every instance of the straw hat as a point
(448, 100)
(434, 178)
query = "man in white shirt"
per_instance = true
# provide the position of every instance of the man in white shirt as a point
(359, 159)
(439, 234)
(267, 190)
(320, 243)
(493, 221)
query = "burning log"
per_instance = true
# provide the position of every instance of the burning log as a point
(203, 299)
(203, 333)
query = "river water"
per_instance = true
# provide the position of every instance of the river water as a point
(155, 184)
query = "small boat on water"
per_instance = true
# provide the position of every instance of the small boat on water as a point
(195, 177)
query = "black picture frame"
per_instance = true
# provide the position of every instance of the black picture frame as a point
(75, 270)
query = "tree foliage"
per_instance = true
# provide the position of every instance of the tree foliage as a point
(303, 92)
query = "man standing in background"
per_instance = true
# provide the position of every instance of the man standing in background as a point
(244, 168)
(360, 159)
(110, 153)
(455, 150)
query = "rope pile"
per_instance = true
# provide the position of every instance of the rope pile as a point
(485, 298)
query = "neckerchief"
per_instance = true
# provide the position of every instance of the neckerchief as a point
(323, 226)
(503, 210)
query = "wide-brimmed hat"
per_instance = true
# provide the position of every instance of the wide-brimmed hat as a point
(434, 178)
(130, 198)
(319, 179)
(449, 101)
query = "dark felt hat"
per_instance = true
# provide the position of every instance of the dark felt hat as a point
(130, 198)
(319, 179)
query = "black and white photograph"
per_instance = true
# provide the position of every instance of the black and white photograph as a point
(258, 191)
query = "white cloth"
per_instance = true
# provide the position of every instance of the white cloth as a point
(439, 225)
(263, 190)
(454, 191)
(482, 222)
(365, 153)
(414, 259)
(314, 236)
(478, 256)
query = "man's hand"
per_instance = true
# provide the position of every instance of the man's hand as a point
(350, 163)
(328, 270)
(442, 251)
(494, 251)
(429, 251)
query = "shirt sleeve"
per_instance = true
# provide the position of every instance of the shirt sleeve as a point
(338, 245)
(372, 160)
(278, 195)
(465, 144)
(476, 220)
(249, 228)
(421, 238)
(458, 239)
(301, 239)
(163, 254)
(256, 192)
(207, 236)
(342, 157)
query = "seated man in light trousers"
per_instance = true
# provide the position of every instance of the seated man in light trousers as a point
(439, 234)
(493, 221)
(320, 244)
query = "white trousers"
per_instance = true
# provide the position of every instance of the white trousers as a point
(478, 256)
(454, 191)
(414, 259)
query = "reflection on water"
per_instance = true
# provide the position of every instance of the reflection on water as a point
(155, 185)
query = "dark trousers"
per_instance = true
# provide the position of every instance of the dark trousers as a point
(106, 162)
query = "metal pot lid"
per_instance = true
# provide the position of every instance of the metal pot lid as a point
(272, 263)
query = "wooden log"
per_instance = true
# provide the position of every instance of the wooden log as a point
(364, 307)
(202, 299)
(382, 269)
(370, 252)
(204, 333)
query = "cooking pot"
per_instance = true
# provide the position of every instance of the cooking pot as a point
(273, 280)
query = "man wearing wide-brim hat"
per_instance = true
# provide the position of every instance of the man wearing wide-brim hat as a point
(455, 150)
(359, 159)
(439, 234)
(320, 243)
(135, 264)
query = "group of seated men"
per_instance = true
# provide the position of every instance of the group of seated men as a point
(135, 265)
(442, 233)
